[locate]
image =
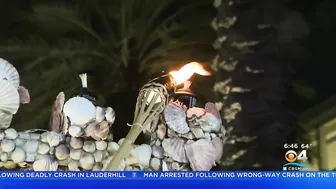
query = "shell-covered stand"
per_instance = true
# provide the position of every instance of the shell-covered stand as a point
(187, 139)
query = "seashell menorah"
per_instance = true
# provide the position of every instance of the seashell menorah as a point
(81, 137)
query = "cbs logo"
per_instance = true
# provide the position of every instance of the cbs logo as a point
(292, 156)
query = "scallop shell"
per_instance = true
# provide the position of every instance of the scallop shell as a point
(212, 109)
(102, 130)
(8, 72)
(45, 163)
(24, 95)
(175, 117)
(110, 115)
(195, 111)
(5, 120)
(174, 147)
(79, 110)
(9, 97)
(201, 155)
(210, 123)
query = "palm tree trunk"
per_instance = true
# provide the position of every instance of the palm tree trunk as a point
(252, 83)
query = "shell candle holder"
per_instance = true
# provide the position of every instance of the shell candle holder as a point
(151, 102)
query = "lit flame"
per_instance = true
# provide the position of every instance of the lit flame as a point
(187, 71)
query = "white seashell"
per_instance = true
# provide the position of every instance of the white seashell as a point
(97, 167)
(7, 145)
(210, 123)
(201, 155)
(24, 95)
(110, 115)
(174, 147)
(212, 109)
(76, 143)
(89, 146)
(155, 164)
(175, 117)
(112, 147)
(44, 137)
(158, 152)
(144, 153)
(31, 146)
(121, 141)
(5, 119)
(158, 143)
(79, 110)
(76, 154)
(218, 144)
(176, 166)
(19, 142)
(30, 157)
(9, 97)
(198, 132)
(164, 166)
(101, 145)
(45, 163)
(43, 148)
(207, 136)
(2, 135)
(18, 155)
(54, 138)
(24, 135)
(11, 134)
(9, 165)
(4, 157)
(98, 156)
(73, 165)
(62, 152)
(213, 135)
(9, 73)
(75, 131)
(195, 111)
(100, 114)
(161, 131)
(87, 161)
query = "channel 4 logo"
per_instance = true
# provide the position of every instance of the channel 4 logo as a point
(291, 157)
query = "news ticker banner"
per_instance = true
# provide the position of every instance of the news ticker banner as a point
(165, 179)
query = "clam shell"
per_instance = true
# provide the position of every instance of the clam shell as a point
(100, 114)
(79, 110)
(174, 147)
(110, 115)
(75, 131)
(9, 97)
(210, 123)
(24, 95)
(212, 109)
(218, 144)
(198, 132)
(45, 163)
(143, 154)
(5, 120)
(201, 155)
(195, 111)
(56, 113)
(18, 155)
(102, 130)
(9, 72)
(175, 117)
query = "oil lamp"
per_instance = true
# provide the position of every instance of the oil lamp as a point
(152, 99)
(185, 95)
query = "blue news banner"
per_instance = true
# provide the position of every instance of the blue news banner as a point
(165, 179)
